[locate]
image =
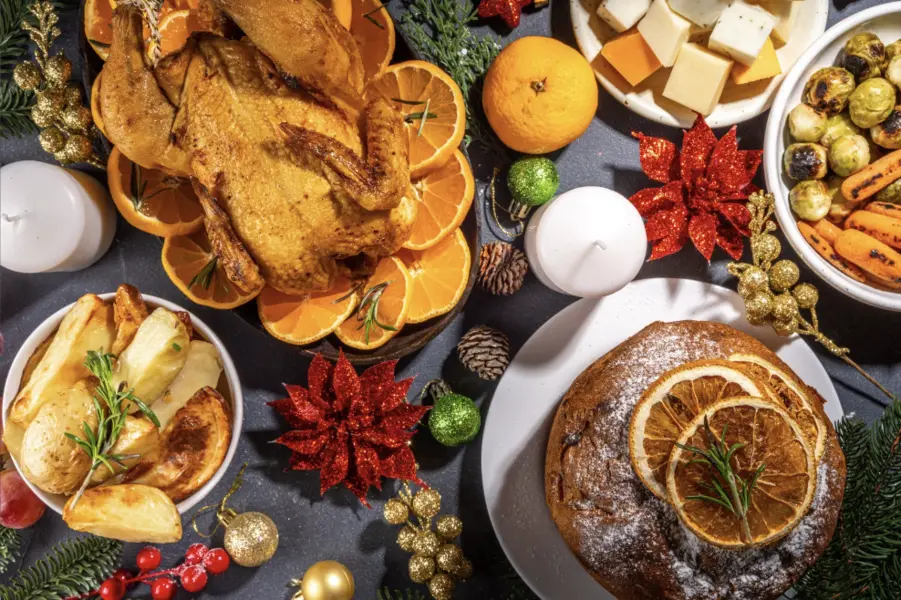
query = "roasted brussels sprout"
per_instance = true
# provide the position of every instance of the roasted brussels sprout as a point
(888, 133)
(849, 154)
(810, 200)
(893, 50)
(837, 126)
(806, 123)
(864, 56)
(839, 208)
(805, 161)
(892, 193)
(872, 102)
(893, 71)
(828, 89)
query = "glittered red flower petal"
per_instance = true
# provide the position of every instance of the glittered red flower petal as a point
(702, 231)
(730, 240)
(658, 157)
(303, 406)
(400, 464)
(359, 489)
(366, 464)
(318, 376)
(386, 438)
(737, 214)
(336, 457)
(697, 145)
(345, 383)
(301, 462)
(667, 246)
(667, 223)
(395, 396)
(376, 382)
(726, 165)
(303, 441)
(403, 417)
(752, 160)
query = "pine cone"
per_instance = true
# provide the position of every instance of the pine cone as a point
(486, 351)
(502, 268)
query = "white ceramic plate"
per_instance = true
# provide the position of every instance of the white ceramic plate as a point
(230, 373)
(738, 104)
(523, 407)
(883, 20)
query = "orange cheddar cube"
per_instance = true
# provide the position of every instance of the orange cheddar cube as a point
(631, 56)
(766, 66)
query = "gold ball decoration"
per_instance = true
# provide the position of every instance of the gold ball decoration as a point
(73, 95)
(441, 587)
(406, 539)
(328, 580)
(783, 275)
(396, 512)
(806, 295)
(751, 281)
(427, 503)
(785, 307)
(27, 75)
(77, 117)
(58, 70)
(52, 140)
(449, 557)
(759, 305)
(449, 527)
(52, 101)
(785, 328)
(78, 148)
(42, 117)
(426, 543)
(766, 247)
(251, 539)
(463, 570)
(757, 322)
(421, 568)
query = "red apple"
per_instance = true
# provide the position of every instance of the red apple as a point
(19, 507)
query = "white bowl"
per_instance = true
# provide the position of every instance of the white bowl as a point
(45, 329)
(739, 103)
(883, 20)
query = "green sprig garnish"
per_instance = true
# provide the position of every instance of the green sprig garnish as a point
(368, 16)
(367, 313)
(205, 275)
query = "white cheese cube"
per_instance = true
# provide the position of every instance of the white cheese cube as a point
(702, 13)
(698, 78)
(786, 13)
(741, 32)
(623, 14)
(664, 31)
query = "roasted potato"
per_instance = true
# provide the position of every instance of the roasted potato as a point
(131, 513)
(129, 311)
(12, 437)
(202, 369)
(88, 326)
(138, 436)
(35, 359)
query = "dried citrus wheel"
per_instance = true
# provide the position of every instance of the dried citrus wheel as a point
(373, 29)
(190, 264)
(795, 399)
(671, 402)
(439, 275)
(308, 318)
(95, 103)
(433, 110)
(175, 29)
(445, 196)
(773, 461)
(382, 308)
(151, 201)
(342, 9)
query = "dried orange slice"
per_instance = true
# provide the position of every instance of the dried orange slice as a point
(151, 201)
(433, 108)
(175, 29)
(301, 320)
(795, 399)
(671, 402)
(95, 103)
(190, 264)
(439, 275)
(373, 29)
(382, 308)
(445, 196)
(773, 454)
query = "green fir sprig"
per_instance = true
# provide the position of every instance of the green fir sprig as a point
(368, 311)
(9, 547)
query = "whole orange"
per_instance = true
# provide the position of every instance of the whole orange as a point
(539, 95)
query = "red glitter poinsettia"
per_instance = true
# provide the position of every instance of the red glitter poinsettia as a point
(704, 199)
(352, 428)
(509, 10)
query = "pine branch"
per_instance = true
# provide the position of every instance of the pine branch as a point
(13, 39)
(9, 547)
(73, 567)
(15, 110)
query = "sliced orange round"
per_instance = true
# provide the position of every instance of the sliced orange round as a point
(98, 25)
(305, 319)
(342, 9)
(671, 402)
(382, 308)
(373, 29)
(433, 108)
(193, 268)
(445, 196)
(439, 275)
(175, 29)
(773, 465)
(95, 103)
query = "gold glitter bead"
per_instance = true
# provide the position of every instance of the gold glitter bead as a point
(328, 580)
(759, 305)
(427, 503)
(52, 140)
(42, 117)
(426, 543)
(78, 148)
(449, 557)
(27, 75)
(464, 570)
(758, 322)
(806, 295)
(783, 275)
(73, 95)
(251, 539)
(785, 328)
(441, 587)
(396, 512)
(77, 117)
(406, 539)
(449, 527)
(51, 101)
(58, 70)
(766, 247)
(785, 307)
(752, 280)
(421, 568)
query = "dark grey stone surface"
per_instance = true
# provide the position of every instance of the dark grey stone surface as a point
(337, 527)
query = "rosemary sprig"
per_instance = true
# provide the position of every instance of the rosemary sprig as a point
(729, 490)
(368, 16)
(367, 312)
(205, 275)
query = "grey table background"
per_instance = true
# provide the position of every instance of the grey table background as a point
(337, 527)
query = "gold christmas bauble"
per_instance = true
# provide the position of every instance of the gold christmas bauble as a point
(52, 101)
(42, 117)
(426, 543)
(785, 328)
(783, 275)
(427, 503)
(449, 557)
(766, 247)
(73, 95)
(759, 305)
(406, 539)
(251, 539)
(785, 307)
(758, 321)
(464, 570)
(449, 527)
(396, 512)
(58, 70)
(327, 580)
(806, 295)
(78, 148)
(27, 75)
(52, 140)
(77, 118)
(421, 568)
(752, 280)
(441, 587)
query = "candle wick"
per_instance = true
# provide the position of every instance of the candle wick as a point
(10, 219)
(600, 244)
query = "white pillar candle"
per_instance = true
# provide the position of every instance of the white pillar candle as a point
(52, 219)
(588, 242)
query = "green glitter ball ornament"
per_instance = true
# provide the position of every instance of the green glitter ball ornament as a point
(454, 419)
(533, 181)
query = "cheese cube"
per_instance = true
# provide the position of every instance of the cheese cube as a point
(698, 78)
(664, 31)
(786, 13)
(741, 32)
(631, 56)
(703, 13)
(766, 66)
(623, 14)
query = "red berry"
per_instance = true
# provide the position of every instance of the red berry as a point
(149, 558)
(162, 589)
(195, 553)
(123, 575)
(194, 578)
(112, 589)
(216, 561)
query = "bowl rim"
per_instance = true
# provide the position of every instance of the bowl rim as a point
(44, 330)
(775, 130)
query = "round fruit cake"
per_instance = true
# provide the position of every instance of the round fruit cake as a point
(631, 541)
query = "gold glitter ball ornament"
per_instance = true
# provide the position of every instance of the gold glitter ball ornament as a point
(327, 580)
(785, 307)
(426, 543)
(783, 275)
(51, 101)
(251, 539)
(58, 70)
(766, 247)
(27, 75)
(449, 527)
(759, 305)
(73, 95)
(785, 328)
(426, 503)
(463, 570)
(77, 117)
(449, 557)
(752, 280)
(441, 587)
(406, 539)
(806, 295)
(421, 568)
(396, 512)
(78, 148)
(42, 117)
(52, 140)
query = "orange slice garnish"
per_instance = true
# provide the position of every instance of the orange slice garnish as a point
(308, 318)
(151, 201)
(98, 25)
(95, 103)
(373, 29)
(382, 308)
(175, 29)
(342, 9)
(445, 196)
(439, 275)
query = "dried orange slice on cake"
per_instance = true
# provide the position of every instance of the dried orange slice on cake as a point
(439, 277)
(382, 307)
(772, 460)
(308, 318)
(445, 196)
(373, 29)
(670, 404)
